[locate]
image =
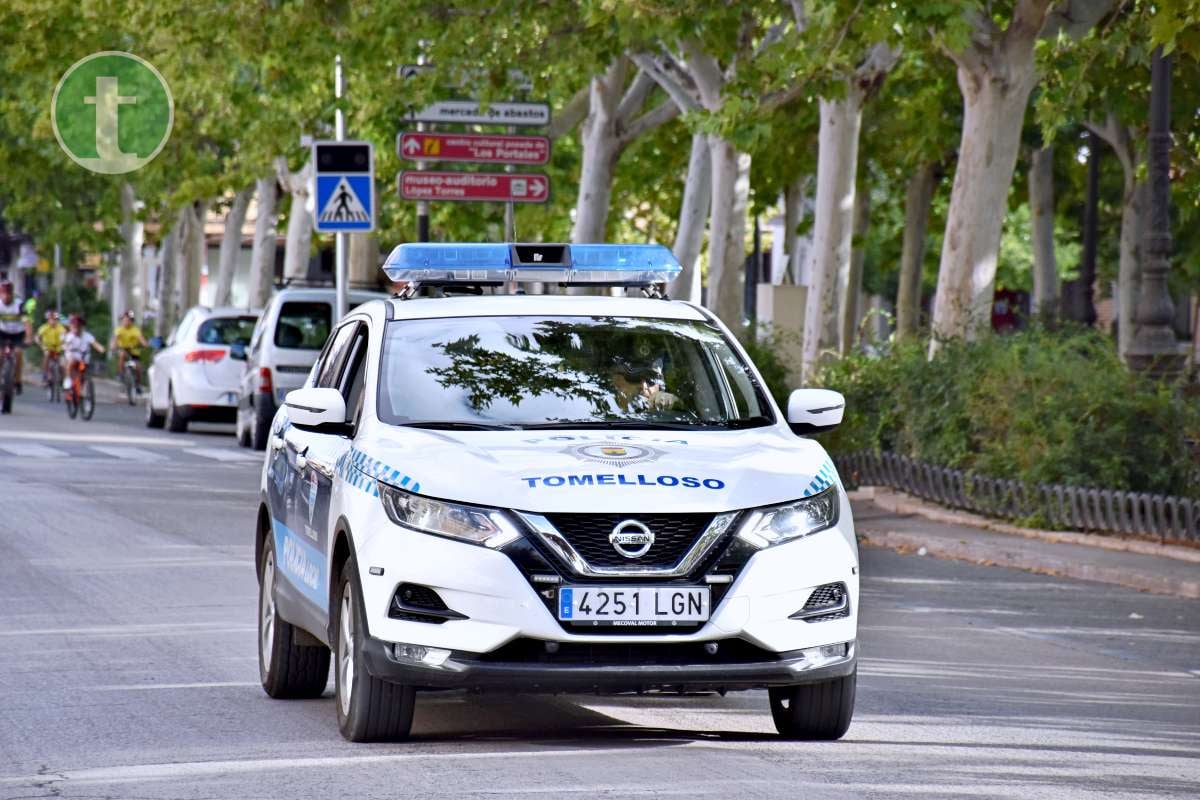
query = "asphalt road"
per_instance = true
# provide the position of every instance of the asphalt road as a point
(127, 668)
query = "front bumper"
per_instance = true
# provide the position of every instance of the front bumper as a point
(462, 670)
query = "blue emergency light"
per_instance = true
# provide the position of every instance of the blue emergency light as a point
(497, 264)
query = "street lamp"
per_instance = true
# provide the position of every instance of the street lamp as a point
(1154, 349)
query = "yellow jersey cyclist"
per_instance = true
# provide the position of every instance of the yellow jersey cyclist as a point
(125, 340)
(14, 327)
(50, 338)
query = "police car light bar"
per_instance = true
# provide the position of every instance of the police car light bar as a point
(495, 264)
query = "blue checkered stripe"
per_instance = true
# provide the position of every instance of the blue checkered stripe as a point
(824, 478)
(361, 471)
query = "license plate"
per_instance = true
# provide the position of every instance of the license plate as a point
(629, 605)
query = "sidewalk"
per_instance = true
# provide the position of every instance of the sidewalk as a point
(884, 518)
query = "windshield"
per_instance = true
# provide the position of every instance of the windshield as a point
(565, 371)
(226, 330)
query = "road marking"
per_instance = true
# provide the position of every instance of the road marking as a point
(164, 629)
(220, 454)
(128, 453)
(198, 769)
(99, 438)
(33, 450)
(147, 686)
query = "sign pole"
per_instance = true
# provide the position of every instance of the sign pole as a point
(58, 278)
(422, 205)
(340, 243)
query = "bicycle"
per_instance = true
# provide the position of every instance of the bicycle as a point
(8, 376)
(80, 395)
(53, 375)
(129, 376)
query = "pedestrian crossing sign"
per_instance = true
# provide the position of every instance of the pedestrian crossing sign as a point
(345, 186)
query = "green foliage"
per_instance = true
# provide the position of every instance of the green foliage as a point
(766, 351)
(1038, 406)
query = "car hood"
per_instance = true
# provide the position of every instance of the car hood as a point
(597, 471)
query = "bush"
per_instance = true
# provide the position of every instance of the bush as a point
(766, 353)
(1037, 406)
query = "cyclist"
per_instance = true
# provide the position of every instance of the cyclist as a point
(50, 338)
(125, 338)
(14, 327)
(78, 345)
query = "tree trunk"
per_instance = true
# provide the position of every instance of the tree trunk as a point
(600, 149)
(298, 249)
(833, 218)
(195, 251)
(693, 213)
(168, 272)
(231, 247)
(1133, 227)
(131, 250)
(850, 279)
(262, 253)
(918, 197)
(362, 261)
(994, 110)
(794, 200)
(1041, 212)
(727, 233)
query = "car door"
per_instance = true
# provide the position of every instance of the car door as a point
(302, 475)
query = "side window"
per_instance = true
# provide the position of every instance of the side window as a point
(335, 356)
(354, 381)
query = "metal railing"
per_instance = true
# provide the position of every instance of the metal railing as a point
(1061, 507)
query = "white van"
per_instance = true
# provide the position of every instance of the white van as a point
(289, 335)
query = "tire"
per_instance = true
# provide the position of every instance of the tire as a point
(54, 390)
(286, 669)
(814, 711)
(241, 434)
(130, 384)
(7, 367)
(153, 418)
(260, 430)
(72, 402)
(368, 709)
(176, 419)
(87, 403)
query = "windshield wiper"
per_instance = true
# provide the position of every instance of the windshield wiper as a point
(450, 425)
(744, 422)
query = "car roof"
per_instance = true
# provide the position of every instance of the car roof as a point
(547, 305)
(324, 293)
(232, 311)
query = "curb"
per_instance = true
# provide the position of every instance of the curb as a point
(992, 555)
(900, 503)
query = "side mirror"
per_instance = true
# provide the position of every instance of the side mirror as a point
(237, 351)
(156, 342)
(815, 410)
(314, 407)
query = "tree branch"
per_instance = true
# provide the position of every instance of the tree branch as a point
(664, 112)
(674, 81)
(1075, 17)
(571, 114)
(706, 72)
(635, 96)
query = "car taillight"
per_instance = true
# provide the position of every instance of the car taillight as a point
(210, 356)
(264, 380)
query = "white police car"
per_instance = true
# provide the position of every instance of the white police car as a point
(487, 490)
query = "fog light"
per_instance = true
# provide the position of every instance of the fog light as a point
(825, 654)
(420, 654)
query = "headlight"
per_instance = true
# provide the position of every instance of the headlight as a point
(485, 526)
(777, 524)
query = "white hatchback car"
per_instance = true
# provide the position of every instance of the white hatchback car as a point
(551, 493)
(192, 377)
(280, 354)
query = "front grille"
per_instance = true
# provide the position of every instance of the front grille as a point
(729, 651)
(674, 535)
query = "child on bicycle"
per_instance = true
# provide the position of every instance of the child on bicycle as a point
(78, 345)
(50, 337)
(126, 338)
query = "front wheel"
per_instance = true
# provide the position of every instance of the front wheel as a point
(71, 399)
(368, 709)
(130, 384)
(87, 403)
(815, 711)
(285, 668)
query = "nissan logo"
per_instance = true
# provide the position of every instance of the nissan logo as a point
(631, 538)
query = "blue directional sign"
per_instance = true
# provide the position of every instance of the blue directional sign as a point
(345, 186)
